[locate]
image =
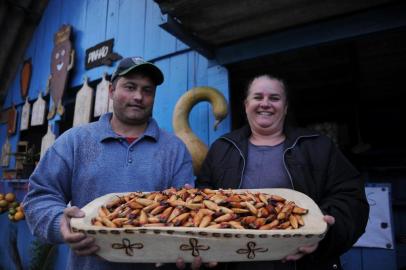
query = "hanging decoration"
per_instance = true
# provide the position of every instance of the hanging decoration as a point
(5, 153)
(62, 60)
(180, 120)
(102, 97)
(38, 111)
(47, 141)
(83, 104)
(11, 120)
(25, 77)
(25, 115)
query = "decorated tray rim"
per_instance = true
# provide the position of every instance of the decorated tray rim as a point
(318, 228)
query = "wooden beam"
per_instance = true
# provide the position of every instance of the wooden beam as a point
(351, 26)
(175, 28)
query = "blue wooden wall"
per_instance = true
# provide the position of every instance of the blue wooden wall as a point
(134, 25)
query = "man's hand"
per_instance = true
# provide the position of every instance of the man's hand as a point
(81, 244)
(310, 248)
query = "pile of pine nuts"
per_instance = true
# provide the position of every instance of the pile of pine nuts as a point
(203, 208)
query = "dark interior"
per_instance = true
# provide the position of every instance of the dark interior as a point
(356, 84)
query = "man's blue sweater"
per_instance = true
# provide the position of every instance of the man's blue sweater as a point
(89, 161)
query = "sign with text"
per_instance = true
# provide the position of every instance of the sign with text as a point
(101, 54)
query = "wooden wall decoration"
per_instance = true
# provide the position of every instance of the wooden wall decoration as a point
(83, 105)
(47, 141)
(11, 120)
(25, 77)
(62, 59)
(38, 111)
(5, 153)
(101, 54)
(25, 115)
(101, 103)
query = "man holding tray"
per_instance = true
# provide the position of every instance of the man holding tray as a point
(123, 151)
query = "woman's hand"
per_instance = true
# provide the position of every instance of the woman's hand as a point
(196, 264)
(81, 244)
(309, 248)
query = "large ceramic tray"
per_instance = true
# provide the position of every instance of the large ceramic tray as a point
(166, 244)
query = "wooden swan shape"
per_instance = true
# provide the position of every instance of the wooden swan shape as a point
(180, 120)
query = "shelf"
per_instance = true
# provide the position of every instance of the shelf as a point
(23, 181)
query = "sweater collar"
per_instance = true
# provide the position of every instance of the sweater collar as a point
(106, 131)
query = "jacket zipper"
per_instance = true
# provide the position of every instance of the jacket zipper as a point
(242, 156)
(290, 148)
(284, 164)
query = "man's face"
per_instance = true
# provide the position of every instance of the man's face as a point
(133, 98)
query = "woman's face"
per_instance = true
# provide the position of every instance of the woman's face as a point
(266, 106)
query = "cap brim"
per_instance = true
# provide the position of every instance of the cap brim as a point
(148, 68)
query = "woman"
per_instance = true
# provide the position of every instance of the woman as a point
(268, 154)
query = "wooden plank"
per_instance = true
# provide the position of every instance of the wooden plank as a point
(37, 62)
(50, 24)
(102, 97)
(13, 96)
(175, 84)
(130, 29)
(47, 141)
(5, 153)
(38, 111)
(74, 13)
(218, 78)
(25, 115)
(94, 32)
(197, 76)
(112, 29)
(83, 105)
(157, 41)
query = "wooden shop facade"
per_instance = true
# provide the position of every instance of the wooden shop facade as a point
(344, 63)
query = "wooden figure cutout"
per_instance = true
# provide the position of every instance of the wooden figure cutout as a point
(83, 105)
(38, 111)
(62, 60)
(47, 141)
(11, 120)
(25, 115)
(102, 97)
(5, 153)
(25, 78)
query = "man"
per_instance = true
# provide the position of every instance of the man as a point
(124, 151)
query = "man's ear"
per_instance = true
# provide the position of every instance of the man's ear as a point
(111, 90)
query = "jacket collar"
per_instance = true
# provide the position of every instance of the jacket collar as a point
(106, 131)
(241, 135)
(293, 134)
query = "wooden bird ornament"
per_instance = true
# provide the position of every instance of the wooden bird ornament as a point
(180, 120)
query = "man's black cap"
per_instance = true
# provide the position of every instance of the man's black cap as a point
(138, 64)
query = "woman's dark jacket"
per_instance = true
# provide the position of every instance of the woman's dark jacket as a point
(317, 168)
